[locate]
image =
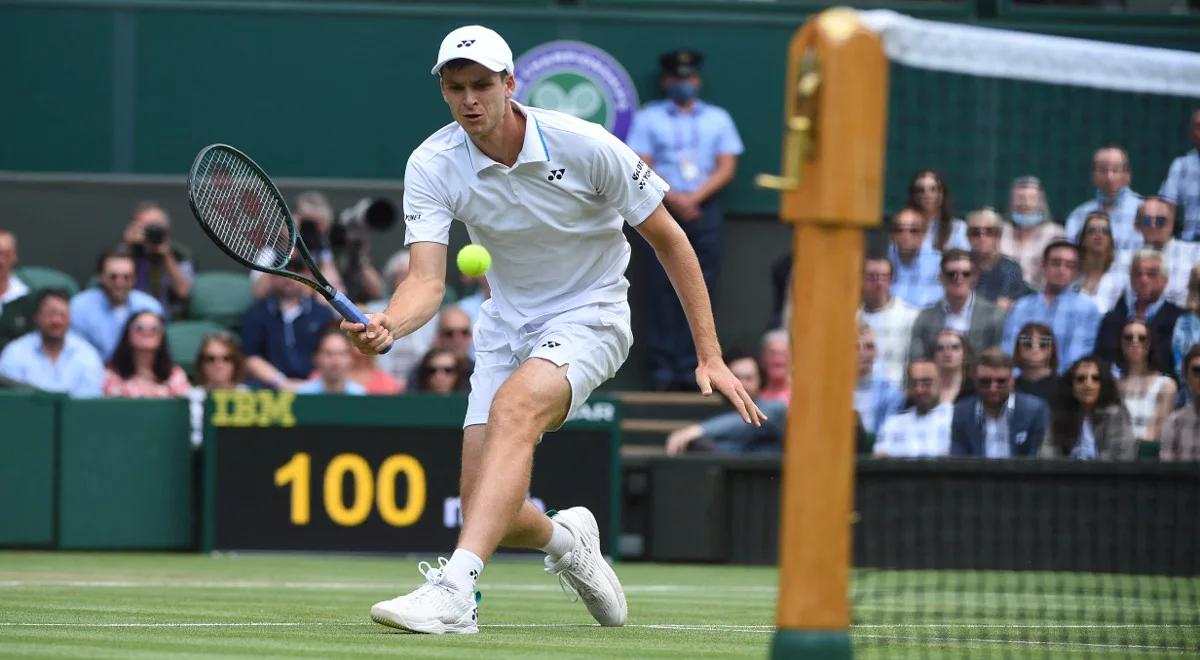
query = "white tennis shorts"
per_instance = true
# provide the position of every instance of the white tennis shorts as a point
(592, 341)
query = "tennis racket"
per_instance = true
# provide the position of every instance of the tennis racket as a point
(244, 214)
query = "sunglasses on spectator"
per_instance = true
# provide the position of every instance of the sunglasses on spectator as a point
(906, 230)
(1042, 342)
(877, 277)
(986, 383)
(450, 332)
(1083, 378)
(436, 369)
(948, 347)
(918, 382)
(866, 346)
(1157, 221)
(210, 358)
(927, 189)
(147, 327)
(1094, 229)
(957, 274)
(1134, 339)
(976, 232)
(1067, 263)
(117, 277)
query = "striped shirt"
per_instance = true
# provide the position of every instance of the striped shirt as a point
(1181, 256)
(1073, 318)
(917, 283)
(1182, 188)
(909, 435)
(1123, 215)
(892, 325)
(1181, 436)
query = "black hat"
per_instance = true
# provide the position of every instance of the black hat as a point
(682, 62)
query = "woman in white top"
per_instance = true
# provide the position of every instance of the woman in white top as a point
(927, 192)
(1031, 230)
(1148, 395)
(1098, 279)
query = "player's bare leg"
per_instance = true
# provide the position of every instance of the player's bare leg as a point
(530, 528)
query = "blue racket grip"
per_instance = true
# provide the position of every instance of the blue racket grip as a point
(350, 312)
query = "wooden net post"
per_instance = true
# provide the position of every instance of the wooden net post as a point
(831, 188)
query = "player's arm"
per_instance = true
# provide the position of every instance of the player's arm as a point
(413, 303)
(679, 260)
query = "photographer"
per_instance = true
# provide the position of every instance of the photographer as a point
(314, 219)
(162, 267)
(349, 238)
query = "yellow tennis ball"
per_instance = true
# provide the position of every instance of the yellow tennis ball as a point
(474, 260)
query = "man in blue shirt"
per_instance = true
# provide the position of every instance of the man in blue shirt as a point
(1182, 185)
(52, 358)
(1111, 176)
(99, 314)
(694, 146)
(1074, 318)
(280, 332)
(916, 269)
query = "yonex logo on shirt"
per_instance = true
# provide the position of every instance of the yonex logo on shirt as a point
(465, 43)
(641, 174)
(551, 344)
(555, 175)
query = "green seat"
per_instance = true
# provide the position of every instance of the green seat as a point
(40, 278)
(184, 338)
(220, 296)
(1147, 450)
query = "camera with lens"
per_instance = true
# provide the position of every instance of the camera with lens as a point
(349, 237)
(154, 233)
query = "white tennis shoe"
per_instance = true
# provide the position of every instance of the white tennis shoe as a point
(584, 572)
(436, 607)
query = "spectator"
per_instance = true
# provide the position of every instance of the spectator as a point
(960, 310)
(1156, 223)
(727, 433)
(890, 317)
(1148, 395)
(314, 220)
(220, 364)
(1181, 431)
(1037, 357)
(332, 360)
(694, 146)
(1187, 328)
(11, 286)
(1144, 300)
(874, 397)
(1087, 420)
(280, 332)
(100, 314)
(776, 359)
(407, 351)
(141, 365)
(473, 301)
(914, 268)
(51, 357)
(1073, 317)
(999, 279)
(923, 429)
(998, 423)
(955, 362)
(1111, 176)
(1100, 278)
(1182, 185)
(442, 371)
(16, 305)
(162, 267)
(374, 380)
(454, 333)
(927, 192)
(1032, 228)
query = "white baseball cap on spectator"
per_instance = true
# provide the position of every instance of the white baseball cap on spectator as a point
(478, 44)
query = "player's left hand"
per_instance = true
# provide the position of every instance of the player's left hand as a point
(713, 372)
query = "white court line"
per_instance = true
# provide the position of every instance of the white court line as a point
(264, 584)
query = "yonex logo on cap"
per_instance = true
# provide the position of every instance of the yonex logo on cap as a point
(466, 43)
(556, 175)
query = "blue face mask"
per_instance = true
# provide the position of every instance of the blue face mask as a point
(683, 91)
(1027, 219)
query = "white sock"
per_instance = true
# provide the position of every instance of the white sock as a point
(561, 541)
(464, 569)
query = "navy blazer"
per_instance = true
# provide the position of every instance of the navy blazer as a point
(1026, 426)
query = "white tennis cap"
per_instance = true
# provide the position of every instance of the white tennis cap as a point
(478, 44)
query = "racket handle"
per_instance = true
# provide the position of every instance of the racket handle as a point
(350, 312)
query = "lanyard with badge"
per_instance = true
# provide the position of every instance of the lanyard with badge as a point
(687, 156)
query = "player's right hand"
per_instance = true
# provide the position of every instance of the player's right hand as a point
(372, 338)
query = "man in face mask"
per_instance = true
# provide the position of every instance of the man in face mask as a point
(1111, 175)
(694, 146)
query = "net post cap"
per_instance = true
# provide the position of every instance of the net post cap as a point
(478, 44)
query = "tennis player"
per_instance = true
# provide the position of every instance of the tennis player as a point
(546, 194)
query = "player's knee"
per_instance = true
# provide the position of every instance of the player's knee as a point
(517, 413)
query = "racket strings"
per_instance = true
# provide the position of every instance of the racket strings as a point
(242, 210)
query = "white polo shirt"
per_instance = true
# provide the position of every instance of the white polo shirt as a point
(552, 221)
(907, 435)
